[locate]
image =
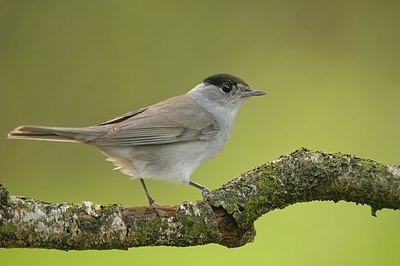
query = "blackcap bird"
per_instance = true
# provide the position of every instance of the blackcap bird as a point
(167, 140)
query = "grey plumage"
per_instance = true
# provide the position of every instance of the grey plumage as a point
(169, 121)
(167, 140)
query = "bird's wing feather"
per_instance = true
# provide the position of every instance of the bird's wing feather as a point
(178, 119)
(123, 117)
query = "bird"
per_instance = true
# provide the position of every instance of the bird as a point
(166, 141)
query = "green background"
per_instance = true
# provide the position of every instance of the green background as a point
(331, 70)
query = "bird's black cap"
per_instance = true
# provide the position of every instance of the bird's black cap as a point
(220, 79)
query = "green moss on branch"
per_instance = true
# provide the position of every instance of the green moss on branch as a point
(304, 176)
(226, 217)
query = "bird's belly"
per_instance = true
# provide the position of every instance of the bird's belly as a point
(170, 162)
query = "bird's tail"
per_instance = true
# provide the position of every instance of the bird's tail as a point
(54, 133)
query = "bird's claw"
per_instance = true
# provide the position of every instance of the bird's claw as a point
(154, 205)
(205, 191)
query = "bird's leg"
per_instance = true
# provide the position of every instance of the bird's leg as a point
(152, 202)
(204, 190)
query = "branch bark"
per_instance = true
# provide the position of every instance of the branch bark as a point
(226, 217)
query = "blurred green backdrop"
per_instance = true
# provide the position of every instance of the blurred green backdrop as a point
(331, 69)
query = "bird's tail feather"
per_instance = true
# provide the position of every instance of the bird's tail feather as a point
(52, 134)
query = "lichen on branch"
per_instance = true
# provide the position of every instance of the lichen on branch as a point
(226, 217)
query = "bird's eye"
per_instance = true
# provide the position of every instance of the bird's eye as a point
(226, 88)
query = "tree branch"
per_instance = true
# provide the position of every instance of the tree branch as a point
(226, 217)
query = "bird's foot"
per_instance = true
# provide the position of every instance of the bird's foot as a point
(204, 192)
(153, 204)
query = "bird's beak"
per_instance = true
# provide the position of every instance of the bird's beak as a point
(251, 92)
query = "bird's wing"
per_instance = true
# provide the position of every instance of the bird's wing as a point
(178, 119)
